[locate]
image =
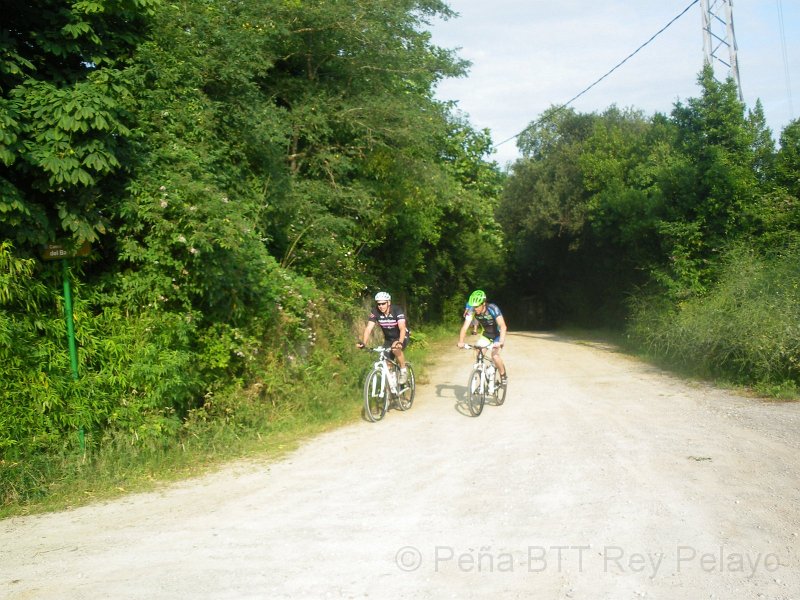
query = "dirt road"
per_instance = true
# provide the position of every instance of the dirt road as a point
(600, 478)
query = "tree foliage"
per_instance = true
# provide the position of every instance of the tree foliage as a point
(66, 92)
(604, 203)
(679, 227)
(245, 172)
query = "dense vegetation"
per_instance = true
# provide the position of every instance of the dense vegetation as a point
(682, 230)
(248, 172)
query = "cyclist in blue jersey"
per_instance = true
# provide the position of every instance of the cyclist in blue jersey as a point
(491, 320)
(392, 321)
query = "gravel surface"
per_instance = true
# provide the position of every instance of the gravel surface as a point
(600, 477)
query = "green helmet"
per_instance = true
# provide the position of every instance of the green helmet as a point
(476, 298)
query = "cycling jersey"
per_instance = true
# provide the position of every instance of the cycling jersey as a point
(389, 322)
(488, 320)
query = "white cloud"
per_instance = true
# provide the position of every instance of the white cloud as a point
(529, 55)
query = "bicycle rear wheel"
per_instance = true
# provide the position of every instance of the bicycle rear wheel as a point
(376, 396)
(476, 393)
(405, 395)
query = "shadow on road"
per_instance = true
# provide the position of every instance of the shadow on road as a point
(459, 392)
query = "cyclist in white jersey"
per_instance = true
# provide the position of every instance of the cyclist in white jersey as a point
(392, 320)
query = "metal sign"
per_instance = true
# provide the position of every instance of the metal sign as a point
(56, 251)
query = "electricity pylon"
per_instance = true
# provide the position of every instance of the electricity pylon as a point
(718, 36)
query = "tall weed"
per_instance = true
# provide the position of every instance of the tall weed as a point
(746, 328)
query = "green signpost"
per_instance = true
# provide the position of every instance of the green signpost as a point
(63, 252)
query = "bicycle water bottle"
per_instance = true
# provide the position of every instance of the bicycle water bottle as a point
(392, 380)
(490, 378)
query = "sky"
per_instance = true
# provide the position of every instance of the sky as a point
(528, 55)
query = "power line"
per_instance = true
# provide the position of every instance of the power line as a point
(617, 66)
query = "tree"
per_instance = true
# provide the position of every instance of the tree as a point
(543, 209)
(722, 153)
(788, 159)
(65, 99)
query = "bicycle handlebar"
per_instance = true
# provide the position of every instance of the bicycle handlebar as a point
(476, 347)
(377, 349)
(486, 347)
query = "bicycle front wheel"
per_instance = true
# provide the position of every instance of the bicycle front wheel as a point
(405, 395)
(376, 396)
(476, 393)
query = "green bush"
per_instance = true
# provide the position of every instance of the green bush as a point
(155, 379)
(746, 328)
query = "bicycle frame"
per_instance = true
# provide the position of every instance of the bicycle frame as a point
(485, 365)
(382, 386)
(385, 358)
(485, 371)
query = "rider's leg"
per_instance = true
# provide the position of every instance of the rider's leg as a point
(498, 362)
(397, 350)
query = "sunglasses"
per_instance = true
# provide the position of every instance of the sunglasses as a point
(382, 303)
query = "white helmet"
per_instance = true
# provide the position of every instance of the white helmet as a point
(382, 297)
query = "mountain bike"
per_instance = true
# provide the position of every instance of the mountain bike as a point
(484, 381)
(382, 386)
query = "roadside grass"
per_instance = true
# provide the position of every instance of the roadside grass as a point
(743, 331)
(245, 424)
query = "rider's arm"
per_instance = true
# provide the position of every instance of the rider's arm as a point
(401, 325)
(501, 323)
(367, 331)
(464, 327)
